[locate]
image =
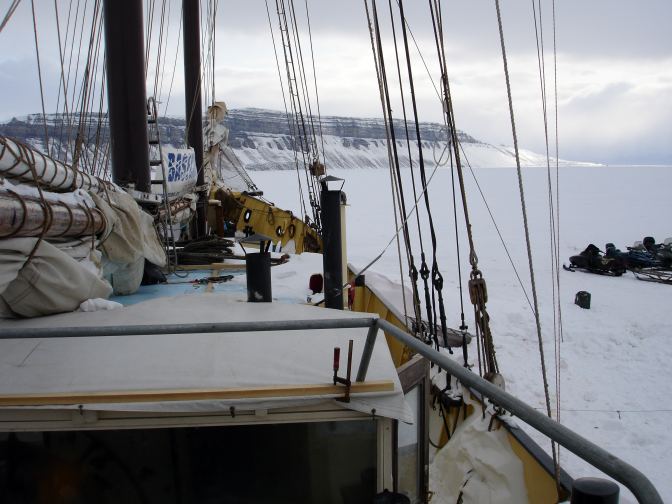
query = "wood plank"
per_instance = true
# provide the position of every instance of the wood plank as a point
(167, 395)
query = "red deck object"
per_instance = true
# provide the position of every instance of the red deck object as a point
(316, 283)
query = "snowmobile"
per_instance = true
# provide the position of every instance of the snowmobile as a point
(593, 260)
(660, 268)
(637, 257)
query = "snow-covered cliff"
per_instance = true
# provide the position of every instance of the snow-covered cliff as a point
(262, 140)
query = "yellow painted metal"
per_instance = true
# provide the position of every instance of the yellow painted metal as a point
(540, 483)
(252, 215)
(367, 301)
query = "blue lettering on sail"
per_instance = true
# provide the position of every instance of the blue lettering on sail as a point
(181, 166)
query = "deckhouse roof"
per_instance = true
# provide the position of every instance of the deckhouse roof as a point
(192, 372)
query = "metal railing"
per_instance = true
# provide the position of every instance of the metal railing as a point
(622, 472)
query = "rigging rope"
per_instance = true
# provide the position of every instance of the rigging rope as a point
(494, 223)
(391, 141)
(8, 15)
(414, 328)
(473, 174)
(463, 324)
(477, 286)
(401, 226)
(177, 52)
(158, 93)
(437, 278)
(300, 102)
(559, 340)
(527, 233)
(39, 73)
(555, 258)
(317, 96)
(412, 269)
(302, 201)
(62, 153)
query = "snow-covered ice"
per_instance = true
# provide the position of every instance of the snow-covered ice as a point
(615, 357)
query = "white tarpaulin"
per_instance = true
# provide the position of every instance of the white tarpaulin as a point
(130, 240)
(479, 464)
(52, 282)
(196, 361)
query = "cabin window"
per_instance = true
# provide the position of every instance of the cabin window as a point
(281, 463)
(411, 441)
(408, 450)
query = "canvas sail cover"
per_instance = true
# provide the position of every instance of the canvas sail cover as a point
(62, 274)
(52, 282)
(130, 240)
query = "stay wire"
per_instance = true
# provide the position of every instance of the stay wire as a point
(298, 124)
(554, 230)
(56, 149)
(88, 79)
(303, 80)
(473, 174)
(295, 101)
(414, 328)
(422, 58)
(477, 290)
(463, 325)
(317, 95)
(557, 216)
(424, 270)
(311, 139)
(527, 234)
(539, 35)
(403, 109)
(412, 268)
(393, 142)
(75, 102)
(8, 15)
(437, 278)
(302, 203)
(61, 82)
(39, 74)
(494, 223)
(66, 125)
(159, 94)
(177, 52)
(404, 222)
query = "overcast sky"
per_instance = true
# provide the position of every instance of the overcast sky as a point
(614, 68)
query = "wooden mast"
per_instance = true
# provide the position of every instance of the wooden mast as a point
(193, 106)
(127, 99)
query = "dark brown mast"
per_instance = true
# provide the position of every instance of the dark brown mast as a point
(192, 86)
(127, 99)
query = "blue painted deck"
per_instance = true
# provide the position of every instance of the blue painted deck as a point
(183, 283)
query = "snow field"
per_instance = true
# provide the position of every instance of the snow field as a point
(614, 358)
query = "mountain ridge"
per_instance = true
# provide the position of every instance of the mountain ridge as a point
(262, 140)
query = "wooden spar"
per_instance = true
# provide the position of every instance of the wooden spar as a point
(24, 216)
(16, 159)
(134, 396)
(192, 86)
(126, 97)
(175, 206)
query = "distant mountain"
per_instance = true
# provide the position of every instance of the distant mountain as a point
(262, 140)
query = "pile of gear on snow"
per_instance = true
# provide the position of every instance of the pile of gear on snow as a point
(648, 260)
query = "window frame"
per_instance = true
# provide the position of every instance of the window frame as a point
(412, 374)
